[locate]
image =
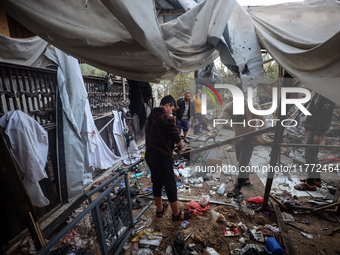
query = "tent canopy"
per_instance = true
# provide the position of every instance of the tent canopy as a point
(124, 36)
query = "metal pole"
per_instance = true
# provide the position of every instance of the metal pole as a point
(123, 83)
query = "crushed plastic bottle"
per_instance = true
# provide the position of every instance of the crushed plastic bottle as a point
(221, 189)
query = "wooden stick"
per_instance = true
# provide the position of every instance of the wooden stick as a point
(284, 231)
(326, 206)
(278, 202)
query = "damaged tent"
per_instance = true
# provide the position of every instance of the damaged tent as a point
(124, 37)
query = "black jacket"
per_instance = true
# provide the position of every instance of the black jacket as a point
(321, 109)
(161, 133)
(181, 107)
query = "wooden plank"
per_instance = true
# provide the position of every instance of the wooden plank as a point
(4, 28)
(337, 199)
(284, 231)
(278, 202)
(326, 206)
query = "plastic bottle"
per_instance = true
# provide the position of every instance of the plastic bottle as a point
(221, 189)
(138, 175)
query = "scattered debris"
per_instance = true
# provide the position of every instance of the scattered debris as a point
(306, 235)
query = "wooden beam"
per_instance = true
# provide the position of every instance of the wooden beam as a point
(326, 206)
(337, 199)
(284, 231)
(278, 202)
(4, 28)
(273, 161)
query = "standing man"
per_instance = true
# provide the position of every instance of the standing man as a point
(161, 136)
(186, 108)
(198, 108)
(316, 125)
(245, 147)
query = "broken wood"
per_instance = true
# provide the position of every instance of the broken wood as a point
(284, 231)
(294, 226)
(278, 202)
(337, 199)
(333, 231)
(326, 206)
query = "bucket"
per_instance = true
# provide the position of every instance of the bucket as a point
(274, 247)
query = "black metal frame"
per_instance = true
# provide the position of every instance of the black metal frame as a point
(120, 234)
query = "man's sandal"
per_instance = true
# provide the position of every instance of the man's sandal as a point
(305, 186)
(317, 183)
(178, 217)
(247, 182)
(161, 213)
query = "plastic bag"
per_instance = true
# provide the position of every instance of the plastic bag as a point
(217, 216)
(256, 200)
(221, 189)
(204, 201)
(196, 209)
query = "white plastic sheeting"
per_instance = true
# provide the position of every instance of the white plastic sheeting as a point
(73, 96)
(304, 38)
(124, 37)
(28, 143)
(27, 52)
(84, 148)
(239, 48)
(29, 147)
(98, 155)
(129, 154)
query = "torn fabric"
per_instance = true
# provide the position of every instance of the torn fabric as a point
(23, 51)
(123, 36)
(239, 48)
(28, 143)
(304, 38)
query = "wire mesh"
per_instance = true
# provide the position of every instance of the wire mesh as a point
(102, 227)
(81, 239)
(115, 215)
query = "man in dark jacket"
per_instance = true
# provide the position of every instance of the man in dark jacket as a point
(161, 136)
(316, 125)
(186, 109)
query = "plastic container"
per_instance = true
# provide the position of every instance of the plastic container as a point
(221, 189)
(138, 175)
(274, 247)
(204, 201)
(211, 251)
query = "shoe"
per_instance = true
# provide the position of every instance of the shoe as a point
(304, 186)
(186, 140)
(247, 182)
(236, 193)
(161, 213)
(178, 217)
(317, 183)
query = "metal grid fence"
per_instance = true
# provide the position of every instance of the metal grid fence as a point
(103, 226)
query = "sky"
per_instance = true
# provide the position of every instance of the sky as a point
(264, 2)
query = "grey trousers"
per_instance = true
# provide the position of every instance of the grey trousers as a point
(244, 151)
(311, 157)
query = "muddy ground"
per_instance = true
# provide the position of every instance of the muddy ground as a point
(205, 232)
